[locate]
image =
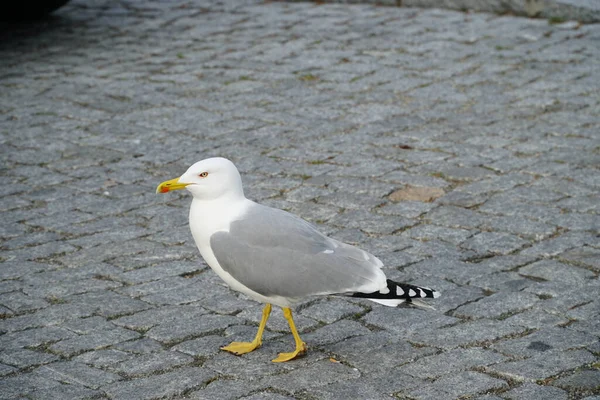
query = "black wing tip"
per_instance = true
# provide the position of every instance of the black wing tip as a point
(405, 291)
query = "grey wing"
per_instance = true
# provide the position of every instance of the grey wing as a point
(276, 253)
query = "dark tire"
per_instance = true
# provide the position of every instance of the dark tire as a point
(26, 9)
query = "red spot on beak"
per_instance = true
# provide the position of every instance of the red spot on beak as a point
(164, 190)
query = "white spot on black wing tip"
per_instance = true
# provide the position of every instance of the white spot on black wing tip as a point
(411, 293)
(399, 291)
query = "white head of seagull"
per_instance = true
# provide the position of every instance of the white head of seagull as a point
(210, 179)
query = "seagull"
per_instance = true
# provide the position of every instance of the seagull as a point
(275, 257)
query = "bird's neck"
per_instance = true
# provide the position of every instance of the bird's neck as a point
(210, 216)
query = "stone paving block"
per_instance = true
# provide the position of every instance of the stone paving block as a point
(407, 322)
(24, 358)
(224, 389)
(95, 340)
(588, 379)
(186, 327)
(140, 346)
(544, 365)
(160, 271)
(204, 346)
(151, 363)
(471, 333)
(159, 386)
(537, 318)
(544, 340)
(494, 243)
(347, 390)
(428, 232)
(321, 373)
(75, 373)
(555, 271)
(147, 319)
(65, 391)
(534, 392)
(497, 305)
(24, 384)
(34, 337)
(335, 332)
(102, 358)
(331, 310)
(463, 383)
(454, 217)
(109, 304)
(585, 256)
(555, 246)
(7, 369)
(563, 296)
(19, 302)
(407, 209)
(386, 352)
(437, 365)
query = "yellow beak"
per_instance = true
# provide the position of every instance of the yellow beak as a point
(167, 186)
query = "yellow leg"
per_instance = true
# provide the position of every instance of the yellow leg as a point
(300, 345)
(239, 348)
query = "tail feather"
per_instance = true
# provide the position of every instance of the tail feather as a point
(396, 294)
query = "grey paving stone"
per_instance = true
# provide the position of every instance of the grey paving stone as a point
(537, 318)
(223, 389)
(331, 310)
(204, 346)
(140, 346)
(335, 332)
(75, 373)
(317, 374)
(467, 382)
(588, 379)
(586, 256)
(7, 369)
(533, 391)
(494, 243)
(345, 390)
(152, 363)
(147, 319)
(555, 271)
(407, 321)
(34, 337)
(65, 391)
(24, 358)
(95, 340)
(544, 365)
(434, 366)
(19, 386)
(407, 209)
(497, 305)
(186, 327)
(428, 232)
(472, 333)
(102, 358)
(158, 386)
(544, 340)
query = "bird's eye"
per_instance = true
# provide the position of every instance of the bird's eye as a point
(203, 175)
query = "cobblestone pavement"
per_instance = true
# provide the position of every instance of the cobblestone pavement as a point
(327, 110)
